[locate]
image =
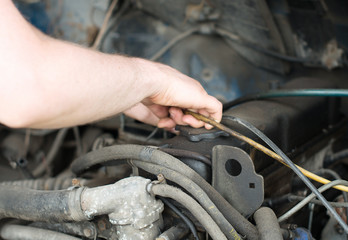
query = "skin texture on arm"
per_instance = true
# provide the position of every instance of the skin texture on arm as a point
(47, 83)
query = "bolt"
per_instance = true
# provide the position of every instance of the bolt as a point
(101, 225)
(339, 229)
(87, 232)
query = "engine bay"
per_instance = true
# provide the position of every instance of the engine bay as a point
(279, 68)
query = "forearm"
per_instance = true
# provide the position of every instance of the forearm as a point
(82, 85)
(87, 85)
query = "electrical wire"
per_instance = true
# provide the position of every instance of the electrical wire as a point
(115, 23)
(172, 42)
(153, 133)
(77, 136)
(52, 153)
(288, 93)
(292, 198)
(183, 217)
(236, 39)
(308, 199)
(302, 173)
(104, 26)
(336, 176)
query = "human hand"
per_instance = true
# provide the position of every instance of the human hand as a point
(173, 91)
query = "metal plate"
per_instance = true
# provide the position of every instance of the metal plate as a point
(234, 177)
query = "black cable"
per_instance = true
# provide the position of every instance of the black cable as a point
(275, 148)
(183, 217)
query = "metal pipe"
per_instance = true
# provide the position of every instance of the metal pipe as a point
(35, 205)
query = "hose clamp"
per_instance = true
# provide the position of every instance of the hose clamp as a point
(75, 205)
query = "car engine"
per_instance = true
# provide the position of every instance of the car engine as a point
(278, 66)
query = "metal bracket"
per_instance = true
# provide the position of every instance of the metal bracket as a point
(234, 177)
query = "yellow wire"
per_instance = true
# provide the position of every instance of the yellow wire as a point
(262, 148)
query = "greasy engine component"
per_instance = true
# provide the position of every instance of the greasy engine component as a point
(135, 213)
(223, 212)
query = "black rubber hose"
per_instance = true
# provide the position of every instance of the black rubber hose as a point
(183, 217)
(267, 224)
(15, 232)
(186, 154)
(152, 155)
(336, 157)
(195, 191)
(45, 206)
(188, 202)
(174, 233)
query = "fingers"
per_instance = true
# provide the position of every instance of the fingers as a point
(142, 113)
(158, 110)
(166, 123)
(178, 91)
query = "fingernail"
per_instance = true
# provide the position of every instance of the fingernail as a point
(208, 126)
(174, 131)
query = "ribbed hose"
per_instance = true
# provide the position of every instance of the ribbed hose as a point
(267, 224)
(18, 232)
(44, 206)
(151, 155)
(196, 192)
(46, 184)
(188, 202)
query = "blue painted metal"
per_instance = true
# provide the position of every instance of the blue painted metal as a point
(35, 13)
(302, 234)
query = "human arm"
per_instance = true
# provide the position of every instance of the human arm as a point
(47, 83)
